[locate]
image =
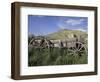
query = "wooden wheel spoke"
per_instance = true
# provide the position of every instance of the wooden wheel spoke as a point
(73, 48)
(80, 48)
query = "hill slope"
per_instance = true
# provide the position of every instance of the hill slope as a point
(66, 34)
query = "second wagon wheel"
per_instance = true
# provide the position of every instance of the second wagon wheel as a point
(78, 48)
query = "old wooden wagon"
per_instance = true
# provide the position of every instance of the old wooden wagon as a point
(74, 45)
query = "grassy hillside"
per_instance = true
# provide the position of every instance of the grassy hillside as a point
(66, 34)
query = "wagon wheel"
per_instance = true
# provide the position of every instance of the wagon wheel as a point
(78, 48)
